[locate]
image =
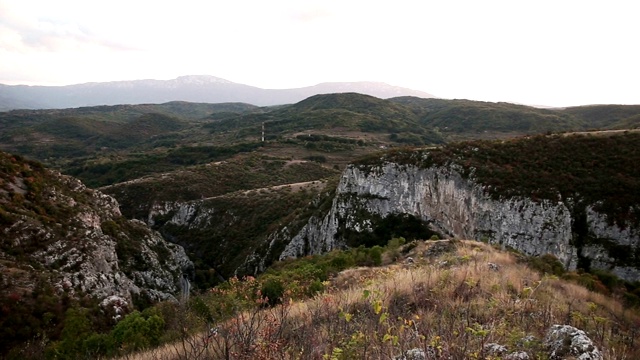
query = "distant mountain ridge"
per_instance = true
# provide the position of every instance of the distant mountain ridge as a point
(192, 88)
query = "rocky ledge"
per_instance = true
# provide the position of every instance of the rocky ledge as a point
(459, 207)
(53, 227)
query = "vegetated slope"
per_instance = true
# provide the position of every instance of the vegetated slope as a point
(328, 128)
(334, 114)
(632, 122)
(223, 212)
(573, 196)
(64, 245)
(111, 170)
(432, 300)
(95, 142)
(241, 232)
(593, 169)
(467, 117)
(123, 113)
(243, 172)
(602, 116)
(57, 135)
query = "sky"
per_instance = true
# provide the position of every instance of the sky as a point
(551, 53)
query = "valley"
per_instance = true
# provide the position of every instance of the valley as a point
(337, 174)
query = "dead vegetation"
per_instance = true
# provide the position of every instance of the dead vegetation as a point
(449, 299)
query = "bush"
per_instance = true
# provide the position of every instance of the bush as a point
(273, 290)
(393, 247)
(547, 264)
(138, 331)
(315, 287)
(376, 255)
(76, 329)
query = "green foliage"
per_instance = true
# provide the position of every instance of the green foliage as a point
(603, 116)
(546, 264)
(393, 246)
(244, 220)
(77, 328)
(23, 316)
(330, 112)
(273, 290)
(597, 170)
(316, 287)
(244, 172)
(106, 173)
(466, 116)
(306, 276)
(90, 130)
(138, 330)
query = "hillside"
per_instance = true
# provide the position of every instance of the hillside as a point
(162, 154)
(423, 300)
(95, 142)
(465, 118)
(572, 196)
(355, 117)
(243, 172)
(201, 158)
(201, 176)
(59, 136)
(63, 245)
(604, 116)
(591, 169)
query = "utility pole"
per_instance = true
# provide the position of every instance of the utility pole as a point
(263, 131)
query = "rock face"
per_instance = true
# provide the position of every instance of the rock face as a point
(54, 227)
(567, 342)
(458, 207)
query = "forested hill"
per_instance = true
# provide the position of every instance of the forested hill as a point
(51, 135)
(468, 117)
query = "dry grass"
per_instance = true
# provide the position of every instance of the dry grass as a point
(449, 302)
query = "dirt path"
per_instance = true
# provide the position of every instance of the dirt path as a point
(294, 186)
(315, 184)
(601, 132)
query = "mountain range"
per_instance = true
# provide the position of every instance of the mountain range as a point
(194, 88)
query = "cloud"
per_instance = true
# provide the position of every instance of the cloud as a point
(24, 30)
(313, 14)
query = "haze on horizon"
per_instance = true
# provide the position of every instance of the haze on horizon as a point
(531, 52)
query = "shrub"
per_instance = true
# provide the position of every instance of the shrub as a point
(138, 331)
(273, 290)
(547, 264)
(393, 247)
(315, 287)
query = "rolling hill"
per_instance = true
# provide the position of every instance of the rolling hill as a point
(201, 176)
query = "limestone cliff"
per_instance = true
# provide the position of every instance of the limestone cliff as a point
(241, 232)
(460, 207)
(53, 227)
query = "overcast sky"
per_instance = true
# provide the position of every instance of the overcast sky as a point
(555, 53)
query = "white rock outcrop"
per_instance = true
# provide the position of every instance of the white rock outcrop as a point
(567, 342)
(460, 208)
(80, 257)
